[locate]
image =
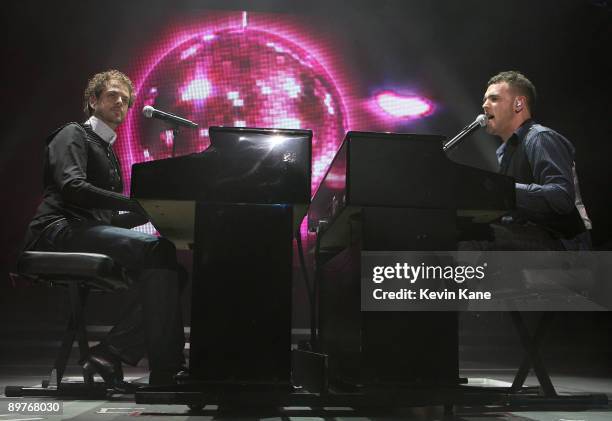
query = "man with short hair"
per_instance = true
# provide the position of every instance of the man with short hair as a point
(80, 213)
(541, 161)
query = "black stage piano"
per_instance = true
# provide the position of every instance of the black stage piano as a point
(242, 165)
(236, 205)
(394, 192)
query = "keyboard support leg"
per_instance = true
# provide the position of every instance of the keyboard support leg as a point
(532, 359)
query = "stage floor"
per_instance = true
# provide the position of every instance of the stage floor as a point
(26, 359)
(123, 406)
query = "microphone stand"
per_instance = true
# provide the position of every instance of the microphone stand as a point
(176, 130)
(455, 140)
(475, 125)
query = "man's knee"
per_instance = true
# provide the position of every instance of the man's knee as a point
(161, 254)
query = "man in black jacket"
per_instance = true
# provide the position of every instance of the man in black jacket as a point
(80, 213)
(549, 211)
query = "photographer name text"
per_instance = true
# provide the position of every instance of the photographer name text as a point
(427, 294)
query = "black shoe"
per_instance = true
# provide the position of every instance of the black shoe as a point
(109, 368)
(182, 376)
(168, 377)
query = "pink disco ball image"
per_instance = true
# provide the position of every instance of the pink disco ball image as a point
(240, 77)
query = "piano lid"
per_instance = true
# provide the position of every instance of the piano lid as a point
(399, 170)
(242, 165)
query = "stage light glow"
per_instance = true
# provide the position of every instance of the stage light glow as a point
(403, 106)
(189, 52)
(276, 140)
(197, 89)
(288, 123)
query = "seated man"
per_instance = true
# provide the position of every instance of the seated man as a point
(80, 213)
(549, 211)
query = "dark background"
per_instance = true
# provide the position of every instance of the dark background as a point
(447, 49)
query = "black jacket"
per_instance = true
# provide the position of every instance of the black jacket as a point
(82, 181)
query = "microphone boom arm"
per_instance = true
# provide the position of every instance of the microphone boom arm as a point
(480, 121)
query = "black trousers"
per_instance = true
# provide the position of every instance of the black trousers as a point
(153, 323)
(526, 237)
(514, 237)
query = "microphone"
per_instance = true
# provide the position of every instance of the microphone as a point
(480, 121)
(150, 112)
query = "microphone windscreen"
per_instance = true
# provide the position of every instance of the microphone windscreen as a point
(481, 120)
(147, 111)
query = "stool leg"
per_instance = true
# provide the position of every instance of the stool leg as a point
(78, 298)
(64, 353)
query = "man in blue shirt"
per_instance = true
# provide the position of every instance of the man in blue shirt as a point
(548, 203)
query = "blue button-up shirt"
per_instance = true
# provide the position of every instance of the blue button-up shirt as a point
(551, 157)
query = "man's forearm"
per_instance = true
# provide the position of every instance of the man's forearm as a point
(543, 198)
(82, 193)
(129, 220)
